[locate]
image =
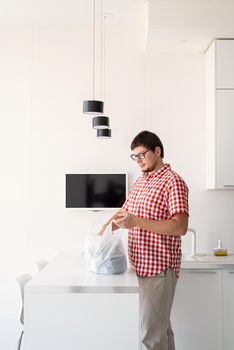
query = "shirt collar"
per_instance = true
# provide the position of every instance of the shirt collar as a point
(158, 173)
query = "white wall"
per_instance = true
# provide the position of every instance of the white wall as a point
(175, 109)
(45, 75)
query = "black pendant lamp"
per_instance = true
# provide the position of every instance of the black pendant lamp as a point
(93, 106)
(101, 122)
(104, 133)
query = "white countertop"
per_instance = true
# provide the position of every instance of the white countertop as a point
(67, 273)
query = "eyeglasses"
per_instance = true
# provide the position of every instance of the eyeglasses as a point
(139, 155)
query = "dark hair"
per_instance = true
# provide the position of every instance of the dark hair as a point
(149, 140)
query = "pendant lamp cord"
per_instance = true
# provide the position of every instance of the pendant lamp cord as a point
(104, 58)
(93, 47)
(101, 70)
(103, 54)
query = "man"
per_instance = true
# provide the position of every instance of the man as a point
(156, 214)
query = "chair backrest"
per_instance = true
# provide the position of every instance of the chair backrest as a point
(22, 280)
(41, 264)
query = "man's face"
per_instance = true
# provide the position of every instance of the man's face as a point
(147, 159)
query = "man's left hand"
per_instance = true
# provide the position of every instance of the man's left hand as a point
(125, 219)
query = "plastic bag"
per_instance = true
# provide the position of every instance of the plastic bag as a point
(105, 254)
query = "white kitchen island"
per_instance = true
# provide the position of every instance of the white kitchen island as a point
(67, 307)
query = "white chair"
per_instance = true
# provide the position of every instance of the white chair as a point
(41, 264)
(22, 280)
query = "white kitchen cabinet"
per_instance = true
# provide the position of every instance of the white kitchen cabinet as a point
(197, 310)
(225, 139)
(228, 309)
(220, 115)
(61, 321)
(224, 64)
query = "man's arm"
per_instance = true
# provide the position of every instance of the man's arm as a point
(176, 226)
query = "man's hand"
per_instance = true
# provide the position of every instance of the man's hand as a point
(114, 226)
(102, 230)
(125, 220)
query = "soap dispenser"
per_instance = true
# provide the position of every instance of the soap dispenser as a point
(220, 251)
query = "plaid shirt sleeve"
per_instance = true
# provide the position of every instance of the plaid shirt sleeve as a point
(178, 197)
(125, 205)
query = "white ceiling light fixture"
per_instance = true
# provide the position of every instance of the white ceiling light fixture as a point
(93, 107)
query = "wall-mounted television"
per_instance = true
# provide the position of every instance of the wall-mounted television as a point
(96, 191)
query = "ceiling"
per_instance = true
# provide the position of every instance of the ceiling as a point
(126, 13)
(171, 25)
(188, 25)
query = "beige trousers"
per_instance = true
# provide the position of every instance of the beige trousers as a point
(156, 296)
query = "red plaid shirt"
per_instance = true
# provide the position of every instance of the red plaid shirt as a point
(156, 196)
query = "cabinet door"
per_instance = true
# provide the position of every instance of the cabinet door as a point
(228, 310)
(81, 321)
(225, 138)
(225, 64)
(197, 310)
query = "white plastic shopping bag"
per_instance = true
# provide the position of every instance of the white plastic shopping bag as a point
(105, 254)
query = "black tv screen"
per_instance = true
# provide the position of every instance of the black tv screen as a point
(96, 191)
